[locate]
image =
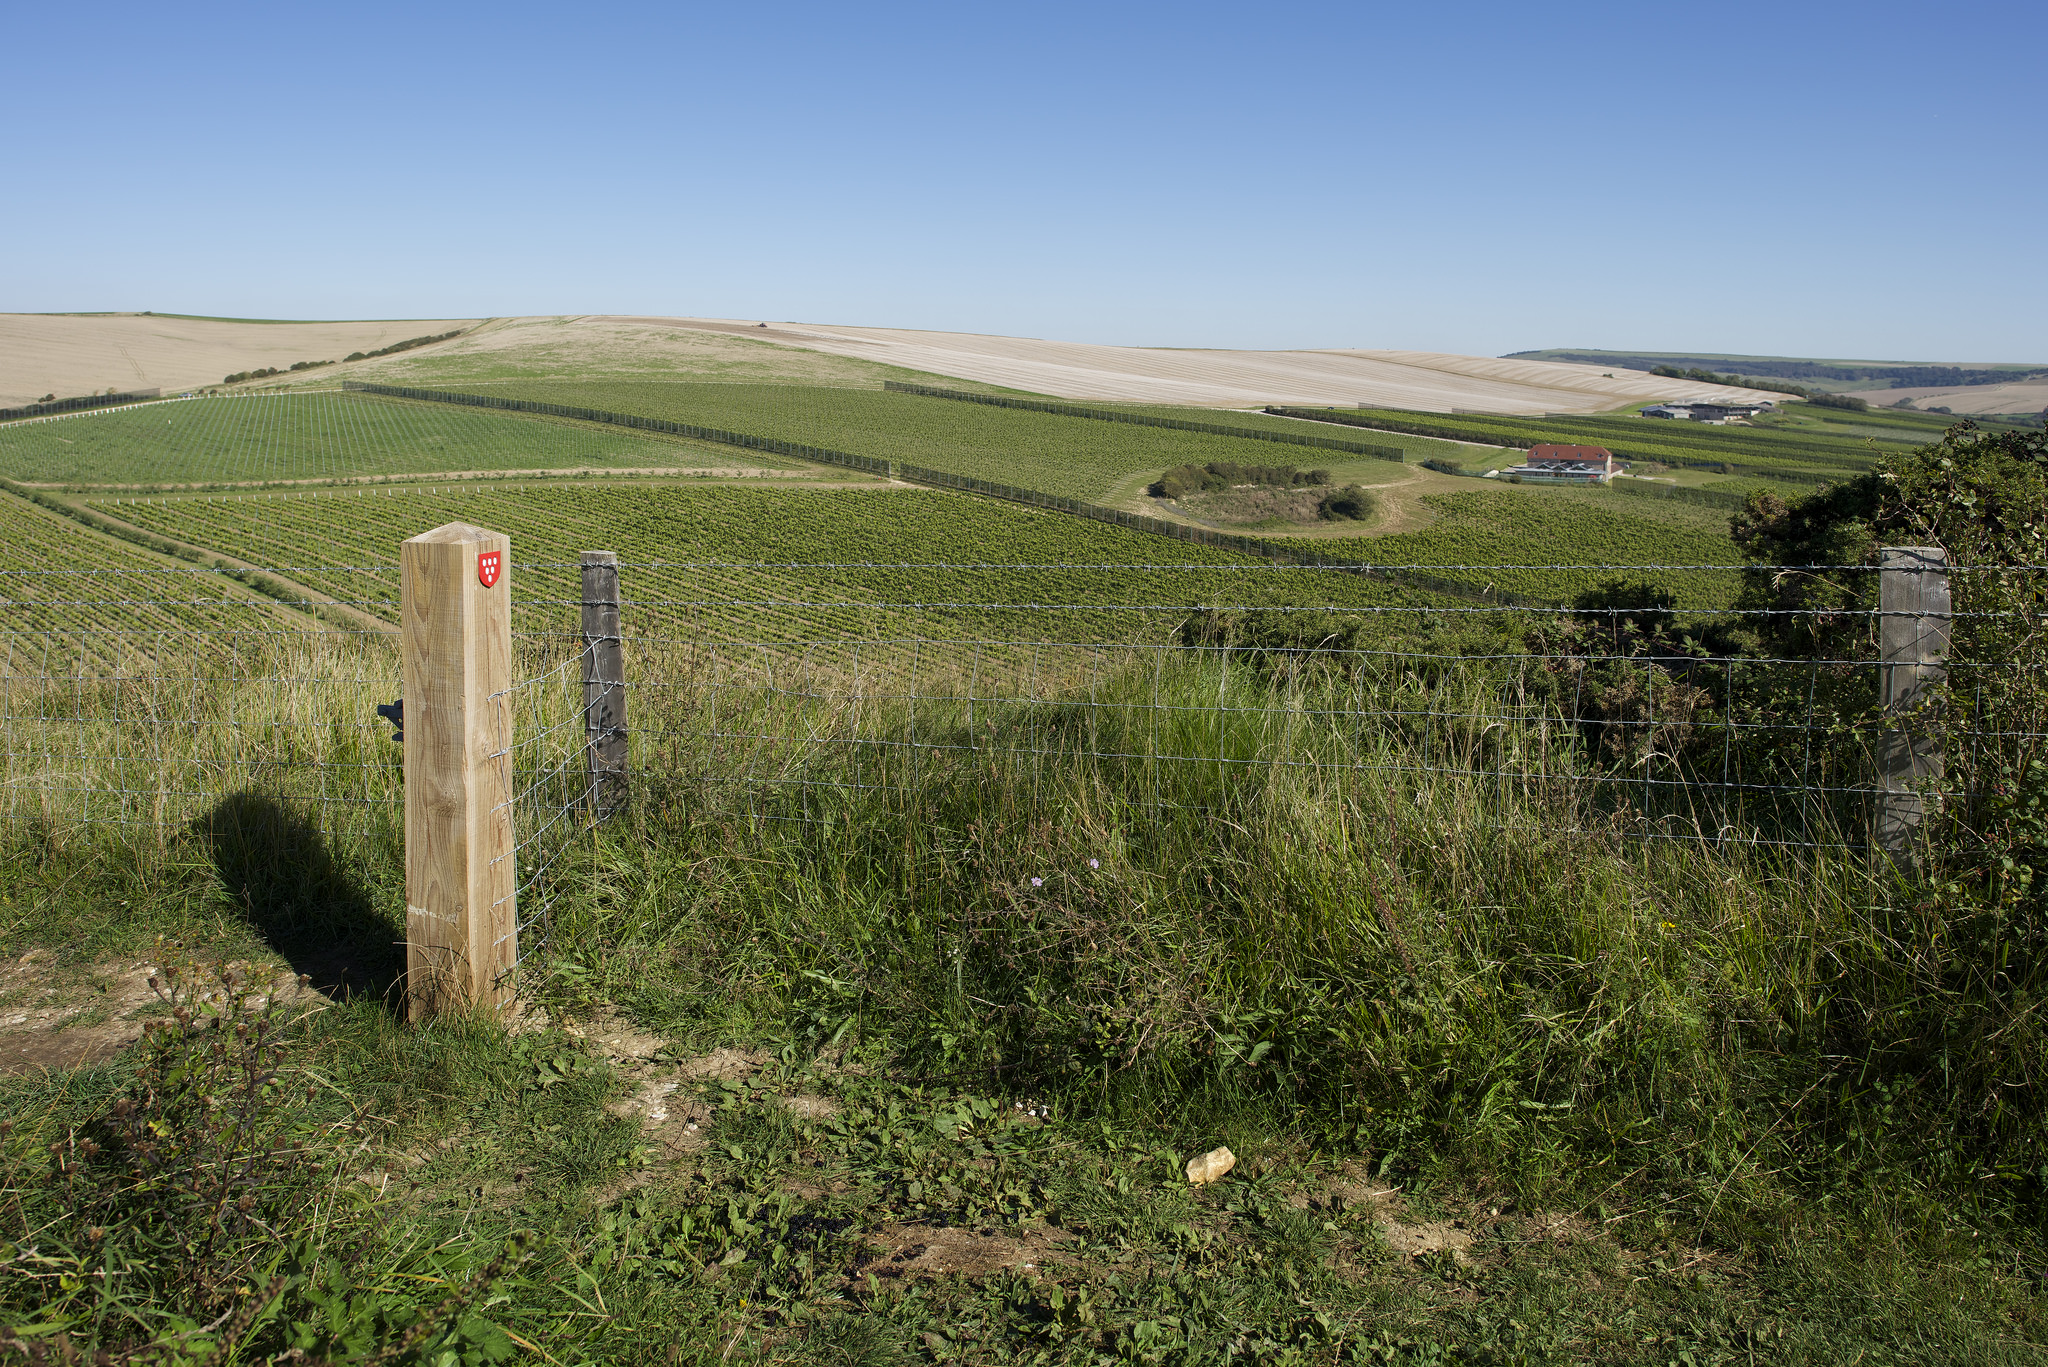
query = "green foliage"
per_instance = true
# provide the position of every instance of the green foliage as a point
(891, 560)
(1709, 377)
(1183, 480)
(224, 439)
(1184, 420)
(1353, 503)
(1769, 451)
(1849, 402)
(266, 372)
(205, 1211)
(1070, 456)
(1509, 537)
(407, 345)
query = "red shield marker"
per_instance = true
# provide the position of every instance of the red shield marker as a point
(487, 568)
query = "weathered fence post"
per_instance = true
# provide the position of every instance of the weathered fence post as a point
(461, 916)
(604, 681)
(1913, 629)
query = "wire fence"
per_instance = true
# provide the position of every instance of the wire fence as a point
(775, 699)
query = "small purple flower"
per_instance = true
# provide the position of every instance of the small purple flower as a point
(1095, 863)
(1038, 882)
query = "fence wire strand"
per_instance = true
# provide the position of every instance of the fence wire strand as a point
(798, 705)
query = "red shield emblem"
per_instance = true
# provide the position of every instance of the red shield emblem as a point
(487, 568)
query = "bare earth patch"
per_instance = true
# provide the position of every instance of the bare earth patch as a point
(1433, 381)
(72, 354)
(53, 1020)
(53, 1017)
(915, 1252)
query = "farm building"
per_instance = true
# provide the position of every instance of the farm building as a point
(1705, 412)
(1550, 463)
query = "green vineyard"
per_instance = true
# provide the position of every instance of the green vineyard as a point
(310, 436)
(102, 600)
(739, 564)
(1069, 456)
(1493, 532)
(1761, 450)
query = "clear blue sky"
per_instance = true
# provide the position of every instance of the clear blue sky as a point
(1811, 179)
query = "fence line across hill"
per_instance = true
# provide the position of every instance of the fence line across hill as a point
(779, 705)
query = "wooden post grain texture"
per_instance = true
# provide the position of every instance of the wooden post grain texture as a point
(461, 915)
(1914, 616)
(604, 682)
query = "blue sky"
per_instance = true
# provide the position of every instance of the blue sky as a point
(1810, 179)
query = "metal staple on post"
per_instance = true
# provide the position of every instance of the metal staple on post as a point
(604, 682)
(1914, 616)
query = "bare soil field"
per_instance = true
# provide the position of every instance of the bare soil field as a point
(77, 354)
(1228, 379)
(69, 354)
(2027, 396)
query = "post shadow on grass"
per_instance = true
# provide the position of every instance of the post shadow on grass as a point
(276, 864)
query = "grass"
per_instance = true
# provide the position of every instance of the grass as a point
(579, 350)
(1673, 1095)
(220, 440)
(877, 1027)
(1499, 530)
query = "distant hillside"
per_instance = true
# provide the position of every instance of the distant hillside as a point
(1822, 374)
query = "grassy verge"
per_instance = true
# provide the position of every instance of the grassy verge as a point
(889, 1054)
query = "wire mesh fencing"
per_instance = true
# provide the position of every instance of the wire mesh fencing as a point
(1770, 726)
(140, 705)
(143, 710)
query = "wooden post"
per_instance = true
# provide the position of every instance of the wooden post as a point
(604, 682)
(1913, 629)
(461, 915)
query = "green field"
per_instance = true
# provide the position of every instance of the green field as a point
(306, 436)
(1490, 530)
(737, 564)
(952, 910)
(1074, 457)
(1822, 449)
(71, 597)
(1414, 448)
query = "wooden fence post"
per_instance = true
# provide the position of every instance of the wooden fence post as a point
(604, 682)
(461, 914)
(1913, 631)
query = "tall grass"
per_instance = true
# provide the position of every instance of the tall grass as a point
(1160, 883)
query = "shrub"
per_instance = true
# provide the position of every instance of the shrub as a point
(1218, 475)
(1351, 502)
